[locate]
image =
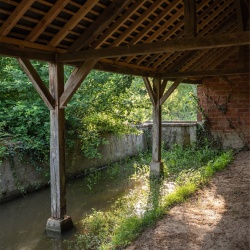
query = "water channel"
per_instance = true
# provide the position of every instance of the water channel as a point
(23, 220)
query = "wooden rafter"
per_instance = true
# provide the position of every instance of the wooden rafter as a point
(138, 21)
(157, 32)
(123, 18)
(47, 19)
(190, 18)
(204, 27)
(15, 16)
(72, 22)
(100, 24)
(227, 40)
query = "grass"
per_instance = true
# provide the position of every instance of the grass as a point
(185, 171)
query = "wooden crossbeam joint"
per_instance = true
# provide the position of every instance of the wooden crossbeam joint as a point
(75, 80)
(37, 82)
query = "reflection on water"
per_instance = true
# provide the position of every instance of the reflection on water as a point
(22, 221)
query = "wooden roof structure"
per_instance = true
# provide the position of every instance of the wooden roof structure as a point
(171, 38)
(163, 39)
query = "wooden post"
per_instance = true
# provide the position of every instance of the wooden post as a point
(158, 96)
(59, 221)
(156, 165)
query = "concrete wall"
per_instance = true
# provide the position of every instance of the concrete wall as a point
(17, 177)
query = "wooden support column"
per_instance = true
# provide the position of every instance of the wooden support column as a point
(59, 221)
(158, 96)
(156, 166)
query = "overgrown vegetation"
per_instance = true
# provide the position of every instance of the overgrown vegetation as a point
(105, 103)
(185, 170)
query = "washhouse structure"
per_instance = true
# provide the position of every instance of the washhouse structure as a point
(161, 40)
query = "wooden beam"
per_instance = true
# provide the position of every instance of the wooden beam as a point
(75, 81)
(57, 145)
(124, 69)
(102, 22)
(205, 73)
(14, 51)
(156, 164)
(46, 20)
(170, 90)
(27, 44)
(218, 41)
(163, 86)
(75, 19)
(190, 18)
(150, 90)
(37, 82)
(15, 16)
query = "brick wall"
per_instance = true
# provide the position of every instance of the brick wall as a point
(226, 102)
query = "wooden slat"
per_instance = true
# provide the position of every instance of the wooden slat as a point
(150, 90)
(170, 90)
(46, 20)
(88, 5)
(158, 31)
(135, 24)
(123, 18)
(226, 40)
(190, 18)
(15, 16)
(99, 25)
(204, 28)
(75, 81)
(37, 82)
(173, 31)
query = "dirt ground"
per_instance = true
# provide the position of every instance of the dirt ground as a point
(216, 218)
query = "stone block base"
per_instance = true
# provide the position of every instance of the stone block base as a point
(57, 226)
(156, 169)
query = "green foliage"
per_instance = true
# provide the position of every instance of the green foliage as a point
(120, 225)
(181, 105)
(105, 103)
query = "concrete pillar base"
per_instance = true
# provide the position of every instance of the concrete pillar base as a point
(57, 226)
(156, 168)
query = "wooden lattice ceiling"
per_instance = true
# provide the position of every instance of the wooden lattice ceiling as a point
(149, 37)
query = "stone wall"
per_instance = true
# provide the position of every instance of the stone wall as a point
(17, 177)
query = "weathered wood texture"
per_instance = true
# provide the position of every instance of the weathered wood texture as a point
(156, 133)
(57, 144)
(157, 97)
(75, 80)
(225, 40)
(145, 38)
(190, 18)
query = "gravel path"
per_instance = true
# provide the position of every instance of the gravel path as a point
(216, 218)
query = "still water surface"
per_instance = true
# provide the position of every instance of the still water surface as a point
(23, 220)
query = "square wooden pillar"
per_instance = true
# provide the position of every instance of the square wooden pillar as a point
(59, 221)
(156, 165)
